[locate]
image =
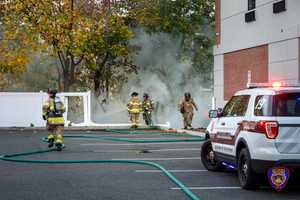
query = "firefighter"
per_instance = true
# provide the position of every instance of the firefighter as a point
(53, 110)
(187, 110)
(148, 107)
(134, 108)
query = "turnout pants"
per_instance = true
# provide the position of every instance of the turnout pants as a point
(55, 130)
(135, 119)
(187, 119)
(148, 118)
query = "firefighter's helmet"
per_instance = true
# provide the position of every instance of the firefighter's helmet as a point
(135, 94)
(187, 95)
(146, 95)
(52, 92)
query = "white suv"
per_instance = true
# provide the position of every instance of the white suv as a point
(258, 129)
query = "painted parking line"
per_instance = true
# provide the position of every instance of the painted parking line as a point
(185, 158)
(150, 138)
(178, 149)
(115, 151)
(172, 170)
(135, 144)
(159, 138)
(150, 150)
(210, 188)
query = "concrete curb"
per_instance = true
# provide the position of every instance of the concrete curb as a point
(191, 132)
(21, 129)
(44, 129)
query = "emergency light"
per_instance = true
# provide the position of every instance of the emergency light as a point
(274, 85)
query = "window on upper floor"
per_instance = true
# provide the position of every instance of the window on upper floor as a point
(279, 7)
(251, 4)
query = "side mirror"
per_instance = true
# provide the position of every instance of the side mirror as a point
(213, 114)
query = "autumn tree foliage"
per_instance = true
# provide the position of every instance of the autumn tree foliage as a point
(106, 48)
(190, 21)
(90, 38)
(79, 33)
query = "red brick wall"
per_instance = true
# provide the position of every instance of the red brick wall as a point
(237, 64)
(218, 21)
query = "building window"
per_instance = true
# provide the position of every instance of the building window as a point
(279, 7)
(251, 4)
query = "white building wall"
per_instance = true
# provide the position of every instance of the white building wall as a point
(219, 80)
(236, 34)
(280, 31)
(284, 61)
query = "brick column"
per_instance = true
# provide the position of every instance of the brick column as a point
(237, 64)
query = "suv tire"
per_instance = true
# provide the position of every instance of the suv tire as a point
(247, 177)
(208, 157)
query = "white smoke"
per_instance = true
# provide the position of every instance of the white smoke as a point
(164, 78)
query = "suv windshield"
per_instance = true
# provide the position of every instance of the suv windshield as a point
(285, 104)
(237, 106)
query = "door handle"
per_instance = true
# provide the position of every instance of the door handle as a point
(223, 123)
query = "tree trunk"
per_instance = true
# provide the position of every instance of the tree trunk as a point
(59, 81)
(107, 84)
(68, 66)
(66, 76)
(66, 82)
(96, 79)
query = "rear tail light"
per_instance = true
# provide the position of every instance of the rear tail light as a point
(269, 128)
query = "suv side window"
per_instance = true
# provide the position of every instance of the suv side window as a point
(285, 104)
(263, 105)
(237, 106)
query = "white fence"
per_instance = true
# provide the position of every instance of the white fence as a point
(18, 109)
(24, 109)
(21, 109)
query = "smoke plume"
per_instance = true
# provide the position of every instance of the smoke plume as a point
(165, 78)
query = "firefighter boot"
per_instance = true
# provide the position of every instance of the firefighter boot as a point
(59, 142)
(50, 140)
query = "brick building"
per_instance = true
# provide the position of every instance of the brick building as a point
(262, 36)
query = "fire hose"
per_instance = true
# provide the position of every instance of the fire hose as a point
(15, 158)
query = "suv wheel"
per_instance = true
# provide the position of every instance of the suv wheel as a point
(208, 157)
(248, 178)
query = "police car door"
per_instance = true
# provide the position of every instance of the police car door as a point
(227, 125)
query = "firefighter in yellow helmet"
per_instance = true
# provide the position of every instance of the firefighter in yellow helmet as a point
(53, 110)
(134, 108)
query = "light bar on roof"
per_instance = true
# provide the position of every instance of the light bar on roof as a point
(274, 84)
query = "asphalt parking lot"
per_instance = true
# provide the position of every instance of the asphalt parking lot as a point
(117, 181)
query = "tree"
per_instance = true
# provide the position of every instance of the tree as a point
(13, 55)
(191, 21)
(175, 17)
(90, 38)
(51, 25)
(13, 62)
(74, 31)
(107, 53)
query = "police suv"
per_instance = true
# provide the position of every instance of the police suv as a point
(257, 132)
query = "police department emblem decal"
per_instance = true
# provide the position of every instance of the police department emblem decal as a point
(278, 177)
